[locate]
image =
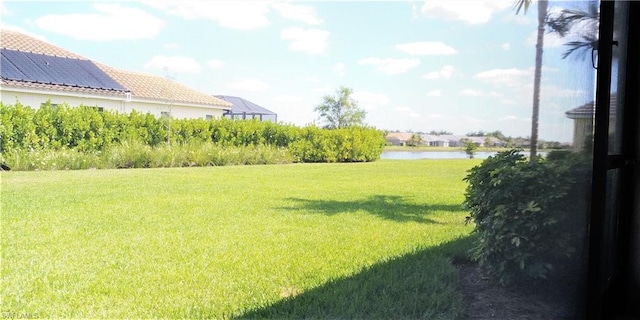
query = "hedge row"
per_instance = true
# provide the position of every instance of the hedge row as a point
(85, 129)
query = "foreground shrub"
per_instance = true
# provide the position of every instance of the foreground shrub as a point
(530, 218)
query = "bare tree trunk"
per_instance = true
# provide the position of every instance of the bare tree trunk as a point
(542, 14)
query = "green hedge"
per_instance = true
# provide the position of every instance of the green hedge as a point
(85, 129)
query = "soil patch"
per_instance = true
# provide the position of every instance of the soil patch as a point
(486, 299)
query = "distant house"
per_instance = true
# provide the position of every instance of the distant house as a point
(434, 140)
(245, 109)
(33, 72)
(398, 138)
(456, 140)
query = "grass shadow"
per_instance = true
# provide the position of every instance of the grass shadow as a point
(423, 284)
(390, 207)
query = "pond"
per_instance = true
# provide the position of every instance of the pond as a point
(415, 155)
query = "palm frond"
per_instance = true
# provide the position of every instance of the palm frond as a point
(581, 48)
(520, 4)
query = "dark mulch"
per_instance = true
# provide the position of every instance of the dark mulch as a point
(486, 299)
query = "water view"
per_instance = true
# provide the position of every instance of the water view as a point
(416, 155)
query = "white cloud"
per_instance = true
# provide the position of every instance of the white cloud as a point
(311, 41)
(113, 21)
(249, 85)
(426, 48)
(391, 66)
(445, 73)
(505, 46)
(469, 11)
(554, 91)
(215, 64)
(370, 100)
(435, 93)
(508, 118)
(174, 64)
(241, 15)
(303, 13)
(506, 77)
(339, 69)
(479, 93)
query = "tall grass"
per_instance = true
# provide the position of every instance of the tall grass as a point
(134, 154)
(360, 240)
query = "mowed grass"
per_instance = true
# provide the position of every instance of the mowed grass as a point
(357, 240)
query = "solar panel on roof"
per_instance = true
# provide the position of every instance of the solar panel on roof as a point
(40, 68)
(7, 68)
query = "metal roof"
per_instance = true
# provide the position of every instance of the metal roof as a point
(245, 106)
(45, 69)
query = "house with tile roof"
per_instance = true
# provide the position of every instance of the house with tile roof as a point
(583, 122)
(34, 72)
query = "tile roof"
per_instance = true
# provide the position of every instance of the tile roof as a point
(399, 136)
(156, 88)
(142, 86)
(588, 110)
(18, 41)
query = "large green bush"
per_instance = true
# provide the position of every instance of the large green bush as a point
(530, 218)
(131, 136)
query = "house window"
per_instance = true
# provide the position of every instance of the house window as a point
(208, 117)
(165, 114)
(99, 109)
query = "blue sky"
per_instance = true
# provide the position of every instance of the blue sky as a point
(455, 65)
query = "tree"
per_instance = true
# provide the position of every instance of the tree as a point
(415, 140)
(469, 147)
(543, 5)
(488, 143)
(583, 25)
(340, 111)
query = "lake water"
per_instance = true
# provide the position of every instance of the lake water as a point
(415, 155)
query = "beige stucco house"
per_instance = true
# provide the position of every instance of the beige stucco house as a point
(583, 122)
(30, 64)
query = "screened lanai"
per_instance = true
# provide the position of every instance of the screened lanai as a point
(245, 109)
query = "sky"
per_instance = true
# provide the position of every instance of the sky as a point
(453, 65)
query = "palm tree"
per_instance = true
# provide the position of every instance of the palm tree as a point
(583, 25)
(543, 5)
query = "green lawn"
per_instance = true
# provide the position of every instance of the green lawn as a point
(355, 240)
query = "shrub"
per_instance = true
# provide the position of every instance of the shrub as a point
(530, 218)
(136, 140)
